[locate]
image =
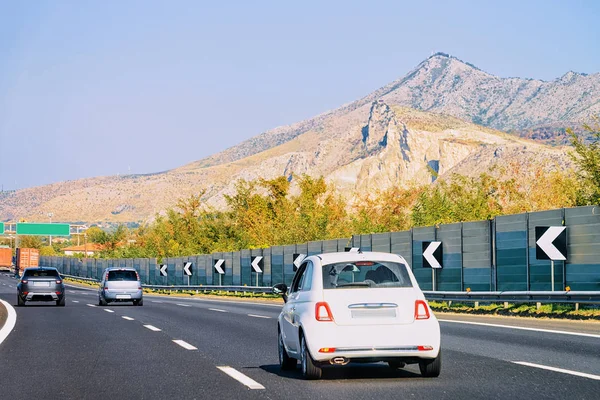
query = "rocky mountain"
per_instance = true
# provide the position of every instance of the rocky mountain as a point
(397, 135)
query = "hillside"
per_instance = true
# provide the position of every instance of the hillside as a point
(390, 146)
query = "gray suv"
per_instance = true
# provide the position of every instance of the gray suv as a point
(41, 284)
(120, 284)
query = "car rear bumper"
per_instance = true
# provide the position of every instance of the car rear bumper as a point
(42, 296)
(419, 340)
(122, 295)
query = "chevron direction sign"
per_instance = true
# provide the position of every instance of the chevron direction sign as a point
(163, 269)
(352, 249)
(298, 258)
(551, 243)
(219, 266)
(187, 269)
(256, 264)
(432, 254)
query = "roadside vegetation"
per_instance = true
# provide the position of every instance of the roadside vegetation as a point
(565, 311)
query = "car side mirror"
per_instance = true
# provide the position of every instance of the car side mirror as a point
(281, 288)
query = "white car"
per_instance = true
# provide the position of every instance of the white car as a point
(356, 307)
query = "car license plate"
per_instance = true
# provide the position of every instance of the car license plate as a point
(123, 296)
(44, 284)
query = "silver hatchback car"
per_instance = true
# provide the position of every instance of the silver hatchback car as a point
(120, 284)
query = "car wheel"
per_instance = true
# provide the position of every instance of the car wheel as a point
(140, 302)
(310, 370)
(396, 364)
(61, 302)
(286, 362)
(101, 302)
(20, 301)
(431, 368)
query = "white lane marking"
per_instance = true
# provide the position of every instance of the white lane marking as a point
(183, 305)
(217, 310)
(185, 345)
(238, 376)
(152, 328)
(91, 305)
(225, 301)
(259, 316)
(127, 318)
(11, 320)
(107, 310)
(75, 301)
(522, 328)
(72, 291)
(564, 371)
(10, 285)
(155, 301)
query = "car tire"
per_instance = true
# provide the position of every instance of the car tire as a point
(140, 302)
(20, 301)
(431, 368)
(101, 302)
(310, 370)
(61, 302)
(286, 362)
(396, 364)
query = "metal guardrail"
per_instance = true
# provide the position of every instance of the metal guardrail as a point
(490, 297)
(517, 297)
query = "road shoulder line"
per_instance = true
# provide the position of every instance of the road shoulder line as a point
(11, 320)
(561, 370)
(521, 328)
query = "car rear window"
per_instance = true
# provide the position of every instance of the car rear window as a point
(365, 274)
(40, 273)
(122, 276)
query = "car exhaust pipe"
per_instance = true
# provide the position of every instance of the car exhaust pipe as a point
(339, 361)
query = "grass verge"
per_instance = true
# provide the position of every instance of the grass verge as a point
(557, 310)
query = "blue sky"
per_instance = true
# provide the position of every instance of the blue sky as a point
(91, 88)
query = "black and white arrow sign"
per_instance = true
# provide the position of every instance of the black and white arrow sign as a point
(163, 269)
(219, 267)
(187, 268)
(352, 249)
(298, 260)
(551, 243)
(256, 261)
(432, 254)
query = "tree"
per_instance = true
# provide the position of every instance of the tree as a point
(31, 242)
(587, 157)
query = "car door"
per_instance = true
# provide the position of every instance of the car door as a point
(290, 322)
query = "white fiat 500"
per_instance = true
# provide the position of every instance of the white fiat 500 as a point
(356, 307)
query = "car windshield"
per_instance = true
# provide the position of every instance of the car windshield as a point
(365, 274)
(40, 273)
(122, 276)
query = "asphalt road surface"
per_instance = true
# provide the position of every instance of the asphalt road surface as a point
(200, 349)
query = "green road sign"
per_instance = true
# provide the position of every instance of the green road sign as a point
(25, 228)
(1, 228)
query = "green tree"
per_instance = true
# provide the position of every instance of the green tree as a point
(31, 242)
(586, 156)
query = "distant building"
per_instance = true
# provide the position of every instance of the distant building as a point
(88, 249)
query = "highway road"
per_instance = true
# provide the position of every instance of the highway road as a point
(197, 349)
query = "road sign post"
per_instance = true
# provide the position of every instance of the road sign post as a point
(551, 244)
(432, 258)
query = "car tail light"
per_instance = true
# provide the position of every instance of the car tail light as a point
(105, 289)
(58, 281)
(25, 293)
(323, 312)
(421, 310)
(24, 281)
(327, 350)
(58, 292)
(424, 348)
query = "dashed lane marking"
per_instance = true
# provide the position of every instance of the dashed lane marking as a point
(561, 370)
(238, 376)
(75, 301)
(185, 345)
(127, 318)
(156, 301)
(183, 305)
(107, 310)
(152, 328)
(217, 310)
(259, 316)
(91, 305)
